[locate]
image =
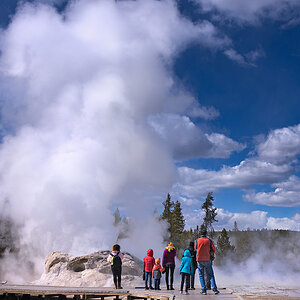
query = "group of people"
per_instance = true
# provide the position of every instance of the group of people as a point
(152, 268)
(198, 255)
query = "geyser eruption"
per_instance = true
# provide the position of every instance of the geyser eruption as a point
(78, 89)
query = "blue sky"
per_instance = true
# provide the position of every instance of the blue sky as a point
(253, 99)
(225, 117)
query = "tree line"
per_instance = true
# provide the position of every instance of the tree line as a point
(232, 245)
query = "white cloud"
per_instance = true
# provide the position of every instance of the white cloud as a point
(196, 183)
(281, 145)
(253, 220)
(275, 162)
(189, 201)
(284, 223)
(248, 59)
(254, 55)
(233, 55)
(50, 2)
(286, 193)
(204, 112)
(187, 141)
(222, 145)
(251, 12)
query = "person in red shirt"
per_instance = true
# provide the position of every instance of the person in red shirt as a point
(203, 246)
(148, 264)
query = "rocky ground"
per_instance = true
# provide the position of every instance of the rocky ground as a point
(91, 270)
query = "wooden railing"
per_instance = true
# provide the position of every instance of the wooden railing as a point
(33, 292)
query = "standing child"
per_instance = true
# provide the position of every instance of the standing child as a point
(186, 270)
(115, 259)
(193, 256)
(148, 264)
(157, 270)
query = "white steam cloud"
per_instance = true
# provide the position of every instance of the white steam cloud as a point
(78, 90)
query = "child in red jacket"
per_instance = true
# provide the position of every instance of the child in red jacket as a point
(148, 264)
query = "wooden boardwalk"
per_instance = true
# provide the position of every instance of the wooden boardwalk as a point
(27, 292)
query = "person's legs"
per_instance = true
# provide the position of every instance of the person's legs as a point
(115, 279)
(207, 279)
(146, 280)
(187, 284)
(150, 280)
(119, 273)
(182, 281)
(211, 275)
(158, 280)
(201, 275)
(172, 268)
(193, 279)
(156, 284)
(167, 276)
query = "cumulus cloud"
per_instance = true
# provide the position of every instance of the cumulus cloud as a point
(79, 91)
(250, 12)
(189, 201)
(254, 220)
(275, 162)
(284, 223)
(223, 146)
(187, 141)
(281, 146)
(198, 182)
(285, 194)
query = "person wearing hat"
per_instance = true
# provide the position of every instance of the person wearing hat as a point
(156, 272)
(148, 264)
(203, 247)
(186, 271)
(115, 260)
(168, 263)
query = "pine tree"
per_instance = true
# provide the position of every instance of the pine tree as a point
(235, 227)
(168, 207)
(196, 233)
(225, 250)
(167, 214)
(243, 246)
(210, 214)
(117, 217)
(177, 235)
(178, 221)
(172, 213)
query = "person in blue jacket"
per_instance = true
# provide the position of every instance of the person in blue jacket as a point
(186, 270)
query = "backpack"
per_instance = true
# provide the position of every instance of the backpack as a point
(116, 261)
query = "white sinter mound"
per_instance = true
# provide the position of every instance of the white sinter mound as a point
(91, 270)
